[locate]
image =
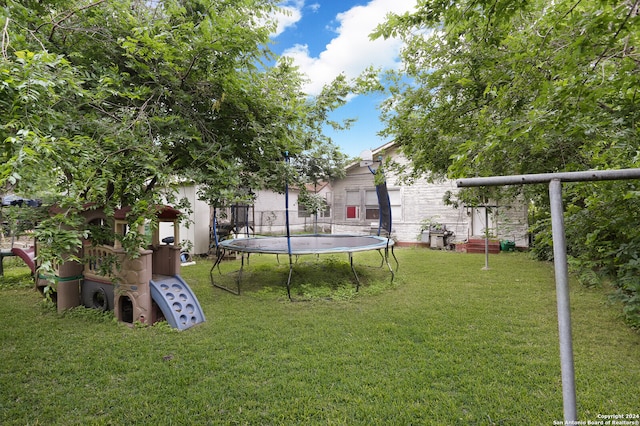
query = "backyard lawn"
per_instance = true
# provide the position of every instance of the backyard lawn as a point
(446, 343)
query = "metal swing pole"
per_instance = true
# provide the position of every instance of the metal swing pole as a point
(562, 300)
(486, 238)
(559, 258)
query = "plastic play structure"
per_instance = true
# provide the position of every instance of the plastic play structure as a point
(145, 289)
(23, 251)
(27, 255)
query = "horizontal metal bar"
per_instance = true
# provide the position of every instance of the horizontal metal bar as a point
(590, 175)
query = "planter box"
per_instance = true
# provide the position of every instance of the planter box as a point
(461, 247)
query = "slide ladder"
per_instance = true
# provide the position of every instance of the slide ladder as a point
(177, 302)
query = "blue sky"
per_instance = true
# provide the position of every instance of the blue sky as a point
(329, 37)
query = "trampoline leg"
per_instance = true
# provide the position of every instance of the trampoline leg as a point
(219, 257)
(240, 271)
(355, 274)
(289, 277)
(396, 260)
(385, 259)
(289, 281)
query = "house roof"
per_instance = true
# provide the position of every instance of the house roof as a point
(163, 212)
(316, 188)
(375, 151)
(313, 188)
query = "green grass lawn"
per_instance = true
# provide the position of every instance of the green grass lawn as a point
(447, 343)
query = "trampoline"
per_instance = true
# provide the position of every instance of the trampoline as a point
(297, 245)
(311, 244)
(307, 244)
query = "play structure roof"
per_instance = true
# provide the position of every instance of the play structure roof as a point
(162, 212)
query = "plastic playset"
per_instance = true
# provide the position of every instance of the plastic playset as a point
(144, 289)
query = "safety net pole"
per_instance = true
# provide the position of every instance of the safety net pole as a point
(286, 216)
(386, 218)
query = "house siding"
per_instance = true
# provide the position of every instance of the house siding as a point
(420, 201)
(268, 213)
(196, 226)
(512, 223)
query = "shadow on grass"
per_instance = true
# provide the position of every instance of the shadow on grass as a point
(16, 277)
(325, 278)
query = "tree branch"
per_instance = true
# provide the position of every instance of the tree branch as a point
(615, 36)
(571, 9)
(55, 25)
(186, 74)
(5, 38)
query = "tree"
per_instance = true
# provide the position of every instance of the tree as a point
(514, 87)
(106, 103)
(323, 164)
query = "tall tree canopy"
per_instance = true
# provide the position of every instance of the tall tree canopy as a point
(108, 102)
(506, 87)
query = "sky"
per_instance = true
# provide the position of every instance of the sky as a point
(329, 37)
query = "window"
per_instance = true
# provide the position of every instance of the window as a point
(353, 205)
(326, 213)
(354, 201)
(372, 209)
(100, 232)
(302, 211)
(353, 212)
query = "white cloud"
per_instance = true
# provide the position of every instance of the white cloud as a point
(351, 51)
(290, 15)
(314, 7)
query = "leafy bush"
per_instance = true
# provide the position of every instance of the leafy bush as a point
(603, 239)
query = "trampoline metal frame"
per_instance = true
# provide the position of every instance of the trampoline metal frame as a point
(253, 246)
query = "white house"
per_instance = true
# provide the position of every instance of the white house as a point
(355, 208)
(268, 213)
(266, 216)
(195, 228)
